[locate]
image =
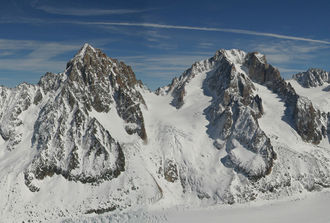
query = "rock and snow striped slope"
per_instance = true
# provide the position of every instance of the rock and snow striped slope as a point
(93, 140)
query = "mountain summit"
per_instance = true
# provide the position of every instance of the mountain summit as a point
(92, 139)
(313, 77)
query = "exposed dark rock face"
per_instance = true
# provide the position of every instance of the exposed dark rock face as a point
(259, 70)
(263, 73)
(235, 109)
(75, 146)
(69, 141)
(51, 82)
(307, 120)
(218, 140)
(233, 114)
(312, 78)
(91, 72)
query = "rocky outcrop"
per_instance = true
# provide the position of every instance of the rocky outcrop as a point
(109, 82)
(13, 103)
(170, 171)
(69, 140)
(71, 143)
(306, 119)
(177, 86)
(233, 114)
(309, 120)
(263, 73)
(312, 78)
(235, 109)
(233, 117)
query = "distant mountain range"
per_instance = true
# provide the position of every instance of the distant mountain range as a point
(95, 140)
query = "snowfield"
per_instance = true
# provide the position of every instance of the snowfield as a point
(307, 208)
(213, 146)
(312, 208)
(320, 96)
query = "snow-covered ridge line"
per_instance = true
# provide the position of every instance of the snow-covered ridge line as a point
(313, 77)
(93, 140)
(254, 65)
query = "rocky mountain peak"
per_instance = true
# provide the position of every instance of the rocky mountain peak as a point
(259, 70)
(227, 81)
(70, 141)
(232, 137)
(88, 66)
(230, 80)
(234, 56)
(313, 77)
(91, 66)
(235, 66)
(111, 84)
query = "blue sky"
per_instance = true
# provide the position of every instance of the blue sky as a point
(159, 39)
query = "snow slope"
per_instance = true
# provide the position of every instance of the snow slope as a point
(179, 136)
(304, 209)
(318, 95)
(207, 139)
(277, 125)
(313, 208)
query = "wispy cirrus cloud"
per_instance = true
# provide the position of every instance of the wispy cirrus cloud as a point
(26, 60)
(289, 56)
(210, 29)
(164, 66)
(33, 56)
(283, 52)
(39, 56)
(88, 12)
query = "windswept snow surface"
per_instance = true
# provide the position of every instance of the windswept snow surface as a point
(311, 207)
(277, 125)
(318, 95)
(179, 169)
(180, 135)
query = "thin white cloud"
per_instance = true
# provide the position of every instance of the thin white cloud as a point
(238, 31)
(166, 66)
(206, 45)
(87, 12)
(83, 12)
(289, 56)
(5, 53)
(38, 56)
(34, 56)
(285, 51)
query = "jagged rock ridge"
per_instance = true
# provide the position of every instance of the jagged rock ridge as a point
(68, 140)
(313, 77)
(223, 155)
(234, 111)
(307, 120)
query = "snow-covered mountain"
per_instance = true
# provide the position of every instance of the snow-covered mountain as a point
(94, 140)
(315, 85)
(312, 78)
